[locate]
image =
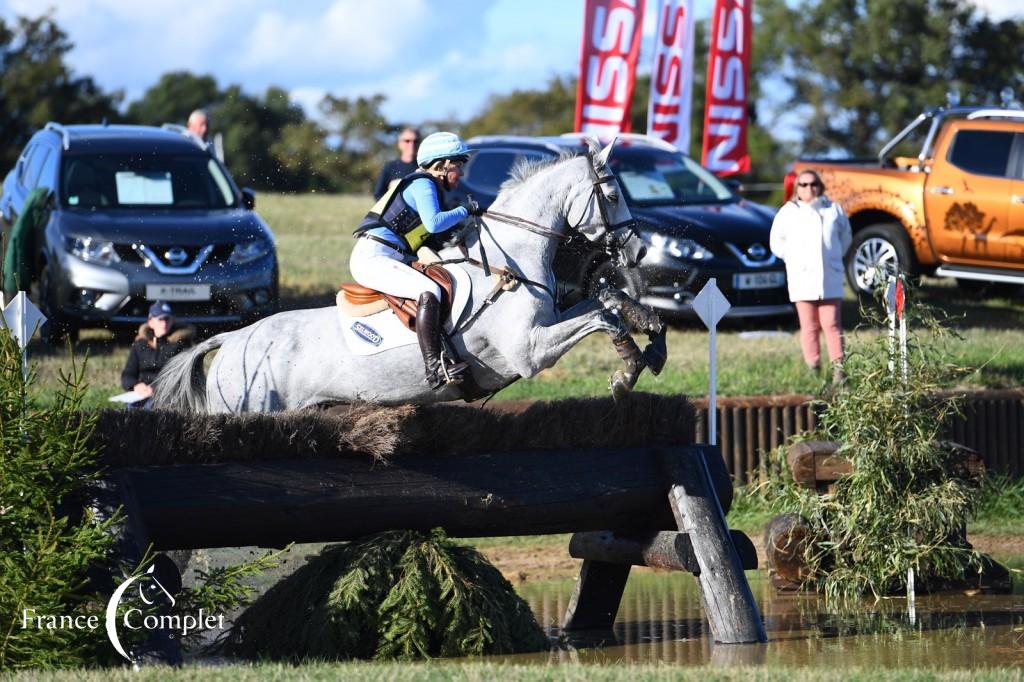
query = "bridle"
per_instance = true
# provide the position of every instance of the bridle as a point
(507, 278)
(611, 242)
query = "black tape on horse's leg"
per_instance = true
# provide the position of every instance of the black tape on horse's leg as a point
(623, 381)
(637, 316)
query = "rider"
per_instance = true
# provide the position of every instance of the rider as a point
(395, 228)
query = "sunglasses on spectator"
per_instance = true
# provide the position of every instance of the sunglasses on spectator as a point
(808, 184)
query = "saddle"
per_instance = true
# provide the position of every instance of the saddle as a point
(360, 300)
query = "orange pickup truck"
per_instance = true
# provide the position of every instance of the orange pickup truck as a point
(955, 208)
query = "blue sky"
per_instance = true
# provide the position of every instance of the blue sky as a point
(431, 58)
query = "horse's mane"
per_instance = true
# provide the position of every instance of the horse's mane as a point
(525, 168)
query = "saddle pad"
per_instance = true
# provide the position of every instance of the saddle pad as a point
(382, 330)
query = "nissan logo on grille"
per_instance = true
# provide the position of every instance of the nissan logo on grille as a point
(757, 252)
(175, 255)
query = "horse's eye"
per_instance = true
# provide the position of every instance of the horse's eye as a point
(613, 196)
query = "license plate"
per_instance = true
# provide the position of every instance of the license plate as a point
(178, 292)
(758, 280)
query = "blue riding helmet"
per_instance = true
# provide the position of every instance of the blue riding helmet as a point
(441, 146)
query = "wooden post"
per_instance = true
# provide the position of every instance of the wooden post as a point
(729, 604)
(595, 600)
(132, 545)
(657, 549)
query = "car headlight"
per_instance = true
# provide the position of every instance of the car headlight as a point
(91, 250)
(679, 248)
(246, 252)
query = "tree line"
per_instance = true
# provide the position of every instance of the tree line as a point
(854, 73)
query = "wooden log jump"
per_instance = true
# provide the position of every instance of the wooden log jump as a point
(272, 503)
(630, 496)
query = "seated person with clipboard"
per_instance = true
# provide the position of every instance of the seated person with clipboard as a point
(159, 340)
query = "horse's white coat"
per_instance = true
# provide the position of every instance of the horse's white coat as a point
(382, 331)
(296, 359)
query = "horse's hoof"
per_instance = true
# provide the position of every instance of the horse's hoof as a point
(621, 385)
(654, 359)
(656, 354)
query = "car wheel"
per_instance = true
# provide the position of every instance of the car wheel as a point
(877, 252)
(607, 274)
(56, 330)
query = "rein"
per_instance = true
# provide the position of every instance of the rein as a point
(547, 232)
(506, 278)
(525, 224)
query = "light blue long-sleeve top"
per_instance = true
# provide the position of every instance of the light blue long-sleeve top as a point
(421, 196)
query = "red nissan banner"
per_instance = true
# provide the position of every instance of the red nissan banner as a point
(725, 108)
(608, 56)
(668, 112)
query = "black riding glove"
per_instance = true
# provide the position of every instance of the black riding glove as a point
(473, 207)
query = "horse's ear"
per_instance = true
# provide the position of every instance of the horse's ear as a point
(601, 160)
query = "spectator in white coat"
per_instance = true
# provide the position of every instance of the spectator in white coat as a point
(812, 234)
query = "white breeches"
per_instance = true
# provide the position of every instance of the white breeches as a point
(382, 268)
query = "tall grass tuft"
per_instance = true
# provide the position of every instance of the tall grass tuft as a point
(909, 497)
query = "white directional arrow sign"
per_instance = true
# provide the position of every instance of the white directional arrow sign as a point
(22, 318)
(711, 305)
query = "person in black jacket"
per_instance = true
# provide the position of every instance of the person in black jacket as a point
(159, 340)
(405, 164)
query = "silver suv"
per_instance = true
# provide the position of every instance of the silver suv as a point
(137, 214)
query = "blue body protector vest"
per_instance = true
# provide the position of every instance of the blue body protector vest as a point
(392, 212)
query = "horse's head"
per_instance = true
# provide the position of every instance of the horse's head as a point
(604, 217)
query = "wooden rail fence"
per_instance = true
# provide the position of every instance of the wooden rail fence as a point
(749, 428)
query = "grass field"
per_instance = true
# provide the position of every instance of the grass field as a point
(484, 672)
(754, 357)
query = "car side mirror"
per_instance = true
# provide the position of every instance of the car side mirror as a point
(734, 185)
(248, 198)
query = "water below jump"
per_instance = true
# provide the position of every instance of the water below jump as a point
(660, 620)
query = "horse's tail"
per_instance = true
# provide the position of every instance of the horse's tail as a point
(181, 384)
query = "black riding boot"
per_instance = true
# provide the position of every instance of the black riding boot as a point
(441, 368)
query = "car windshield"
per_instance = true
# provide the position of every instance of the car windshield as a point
(177, 181)
(654, 177)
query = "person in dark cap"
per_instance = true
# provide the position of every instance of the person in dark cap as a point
(159, 339)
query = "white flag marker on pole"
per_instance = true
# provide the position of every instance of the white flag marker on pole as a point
(711, 306)
(23, 319)
(890, 313)
(895, 302)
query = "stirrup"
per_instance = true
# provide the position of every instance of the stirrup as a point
(449, 371)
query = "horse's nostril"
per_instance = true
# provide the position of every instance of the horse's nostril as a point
(641, 253)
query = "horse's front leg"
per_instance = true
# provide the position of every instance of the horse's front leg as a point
(545, 344)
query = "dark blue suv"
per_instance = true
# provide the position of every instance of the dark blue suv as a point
(138, 214)
(695, 227)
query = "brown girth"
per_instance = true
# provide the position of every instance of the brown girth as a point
(404, 308)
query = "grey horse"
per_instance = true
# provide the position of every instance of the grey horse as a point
(297, 359)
